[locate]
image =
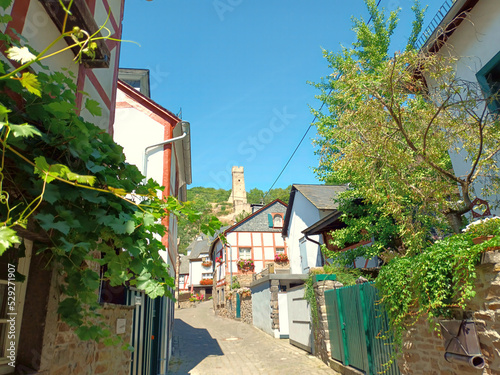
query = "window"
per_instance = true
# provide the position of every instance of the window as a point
(489, 79)
(278, 221)
(280, 250)
(275, 220)
(83, 18)
(205, 276)
(245, 253)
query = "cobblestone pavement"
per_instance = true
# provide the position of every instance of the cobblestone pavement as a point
(205, 344)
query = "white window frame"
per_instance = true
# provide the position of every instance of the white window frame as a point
(245, 253)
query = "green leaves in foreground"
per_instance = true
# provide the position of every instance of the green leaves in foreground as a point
(50, 172)
(8, 238)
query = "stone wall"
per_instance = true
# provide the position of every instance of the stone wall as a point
(322, 346)
(423, 349)
(223, 308)
(52, 348)
(275, 311)
(73, 356)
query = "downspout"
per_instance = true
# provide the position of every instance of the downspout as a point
(230, 266)
(185, 129)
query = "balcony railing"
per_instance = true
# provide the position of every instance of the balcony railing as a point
(441, 13)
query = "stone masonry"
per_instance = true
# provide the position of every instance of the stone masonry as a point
(69, 355)
(322, 344)
(423, 349)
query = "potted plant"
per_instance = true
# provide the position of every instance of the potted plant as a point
(483, 229)
(245, 264)
(245, 292)
(206, 263)
(281, 258)
(219, 260)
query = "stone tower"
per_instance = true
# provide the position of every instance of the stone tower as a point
(238, 196)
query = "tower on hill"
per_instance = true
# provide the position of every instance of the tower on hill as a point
(238, 196)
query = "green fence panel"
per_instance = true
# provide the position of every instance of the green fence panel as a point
(332, 313)
(354, 327)
(380, 340)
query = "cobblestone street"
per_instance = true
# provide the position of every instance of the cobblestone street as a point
(205, 344)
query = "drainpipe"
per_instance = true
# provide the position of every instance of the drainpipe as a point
(185, 131)
(230, 266)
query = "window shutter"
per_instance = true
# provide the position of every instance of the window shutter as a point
(270, 220)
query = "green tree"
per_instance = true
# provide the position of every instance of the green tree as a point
(389, 133)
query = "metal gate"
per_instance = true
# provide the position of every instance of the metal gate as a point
(142, 328)
(358, 329)
(299, 319)
(151, 333)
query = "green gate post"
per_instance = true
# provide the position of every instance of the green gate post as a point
(365, 311)
(238, 306)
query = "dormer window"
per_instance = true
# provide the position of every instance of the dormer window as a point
(275, 220)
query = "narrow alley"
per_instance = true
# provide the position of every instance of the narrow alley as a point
(205, 344)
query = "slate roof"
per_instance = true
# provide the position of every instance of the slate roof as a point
(198, 246)
(321, 196)
(184, 265)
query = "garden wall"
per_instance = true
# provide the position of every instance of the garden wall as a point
(423, 350)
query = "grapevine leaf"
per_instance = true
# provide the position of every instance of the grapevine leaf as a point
(3, 112)
(42, 167)
(5, 18)
(30, 82)
(4, 4)
(61, 109)
(8, 237)
(47, 222)
(93, 107)
(21, 55)
(88, 180)
(24, 130)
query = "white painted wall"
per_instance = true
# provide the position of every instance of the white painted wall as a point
(475, 42)
(195, 270)
(303, 215)
(283, 315)
(134, 131)
(261, 307)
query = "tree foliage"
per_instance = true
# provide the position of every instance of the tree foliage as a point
(391, 123)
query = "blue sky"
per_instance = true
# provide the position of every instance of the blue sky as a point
(239, 69)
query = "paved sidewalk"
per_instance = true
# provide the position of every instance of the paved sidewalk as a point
(206, 344)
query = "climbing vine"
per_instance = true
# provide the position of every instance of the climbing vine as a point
(434, 283)
(66, 180)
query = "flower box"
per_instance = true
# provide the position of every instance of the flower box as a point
(207, 263)
(207, 282)
(245, 264)
(281, 258)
